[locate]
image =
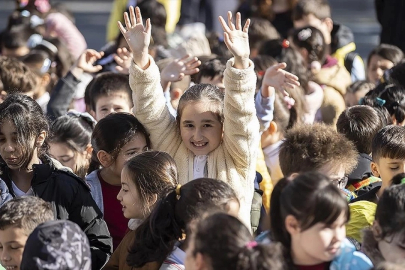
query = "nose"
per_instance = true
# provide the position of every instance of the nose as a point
(380, 73)
(4, 256)
(340, 233)
(198, 135)
(9, 148)
(119, 197)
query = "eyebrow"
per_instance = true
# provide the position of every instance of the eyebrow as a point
(134, 149)
(203, 121)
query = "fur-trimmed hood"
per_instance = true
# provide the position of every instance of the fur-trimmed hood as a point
(370, 247)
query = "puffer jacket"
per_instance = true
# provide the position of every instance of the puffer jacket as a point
(71, 200)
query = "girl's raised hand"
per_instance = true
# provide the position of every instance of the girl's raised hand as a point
(237, 39)
(137, 35)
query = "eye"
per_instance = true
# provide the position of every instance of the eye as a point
(207, 125)
(188, 125)
(394, 168)
(104, 109)
(15, 247)
(118, 109)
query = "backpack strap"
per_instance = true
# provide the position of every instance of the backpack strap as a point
(349, 59)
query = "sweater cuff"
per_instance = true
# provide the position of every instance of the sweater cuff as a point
(150, 74)
(239, 74)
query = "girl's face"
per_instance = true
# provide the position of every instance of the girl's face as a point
(325, 241)
(377, 67)
(135, 146)
(10, 150)
(200, 129)
(392, 247)
(77, 161)
(129, 198)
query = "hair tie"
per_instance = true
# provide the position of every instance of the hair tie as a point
(285, 44)
(403, 181)
(380, 101)
(251, 244)
(304, 34)
(178, 190)
(289, 101)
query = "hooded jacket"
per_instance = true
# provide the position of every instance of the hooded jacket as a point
(71, 199)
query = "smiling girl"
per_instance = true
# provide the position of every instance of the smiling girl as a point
(308, 215)
(215, 135)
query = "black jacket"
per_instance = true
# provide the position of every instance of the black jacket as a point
(71, 199)
(391, 16)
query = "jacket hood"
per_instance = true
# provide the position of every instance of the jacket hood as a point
(370, 247)
(341, 36)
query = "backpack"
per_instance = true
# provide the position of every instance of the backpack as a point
(349, 59)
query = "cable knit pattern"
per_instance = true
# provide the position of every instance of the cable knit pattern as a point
(234, 161)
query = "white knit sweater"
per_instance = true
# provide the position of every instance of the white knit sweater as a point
(234, 161)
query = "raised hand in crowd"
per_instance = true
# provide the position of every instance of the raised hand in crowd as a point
(277, 78)
(85, 63)
(123, 58)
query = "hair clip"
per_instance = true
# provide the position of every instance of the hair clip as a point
(178, 190)
(304, 34)
(403, 181)
(380, 101)
(261, 73)
(289, 101)
(251, 244)
(285, 44)
(45, 66)
(49, 46)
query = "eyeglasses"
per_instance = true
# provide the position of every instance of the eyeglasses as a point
(340, 182)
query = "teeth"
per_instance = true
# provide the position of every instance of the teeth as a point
(199, 144)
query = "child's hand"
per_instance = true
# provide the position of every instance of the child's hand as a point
(177, 69)
(278, 78)
(123, 59)
(137, 36)
(237, 40)
(85, 63)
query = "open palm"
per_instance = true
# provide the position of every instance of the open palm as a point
(236, 38)
(136, 34)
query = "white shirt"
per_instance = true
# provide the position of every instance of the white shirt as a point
(18, 192)
(271, 154)
(199, 166)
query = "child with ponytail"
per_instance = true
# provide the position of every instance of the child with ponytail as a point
(116, 138)
(308, 215)
(211, 247)
(162, 238)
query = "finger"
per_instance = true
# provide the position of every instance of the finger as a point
(227, 39)
(132, 16)
(122, 28)
(138, 15)
(289, 86)
(194, 65)
(118, 68)
(291, 76)
(192, 60)
(148, 27)
(184, 58)
(224, 25)
(191, 71)
(118, 59)
(281, 65)
(246, 27)
(230, 23)
(126, 19)
(238, 21)
(94, 69)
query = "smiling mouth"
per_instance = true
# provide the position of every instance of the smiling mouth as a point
(199, 144)
(11, 267)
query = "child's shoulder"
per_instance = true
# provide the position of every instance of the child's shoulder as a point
(65, 176)
(350, 259)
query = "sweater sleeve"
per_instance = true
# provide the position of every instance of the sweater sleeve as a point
(150, 108)
(241, 126)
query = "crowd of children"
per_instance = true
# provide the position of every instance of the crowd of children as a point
(189, 151)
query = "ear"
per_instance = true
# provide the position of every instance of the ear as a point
(104, 158)
(41, 139)
(376, 229)
(374, 169)
(273, 128)
(88, 151)
(152, 199)
(329, 24)
(175, 94)
(200, 262)
(45, 79)
(291, 225)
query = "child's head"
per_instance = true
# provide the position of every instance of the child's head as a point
(315, 13)
(200, 118)
(18, 218)
(116, 138)
(15, 77)
(383, 57)
(310, 42)
(23, 130)
(308, 209)
(212, 72)
(320, 148)
(57, 244)
(388, 153)
(260, 30)
(213, 247)
(143, 180)
(168, 222)
(392, 97)
(356, 91)
(389, 224)
(110, 92)
(359, 124)
(15, 40)
(70, 141)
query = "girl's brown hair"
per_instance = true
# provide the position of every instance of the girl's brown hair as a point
(152, 172)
